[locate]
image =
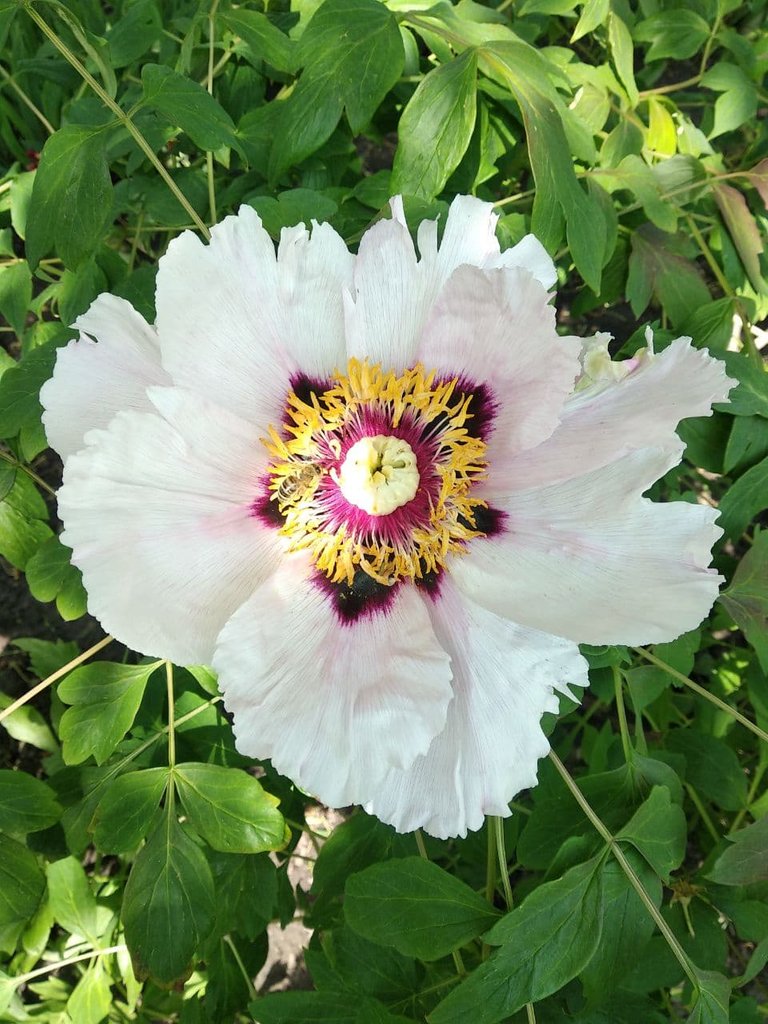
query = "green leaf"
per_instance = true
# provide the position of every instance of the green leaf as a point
(188, 106)
(525, 73)
(134, 32)
(636, 176)
(291, 207)
(264, 40)
(352, 55)
(436, 127)
(743, 229)
(655, 268)
(627, 927)
(711, 767)
(125, 813)
(22, 885)
(544, 943)
(72, 903)
(593, 14)
(47, 656)
(746, 861)
(747, 443)
(360, 841)
(169, 904)
(711, 327)
(19, 388)
(415, 906)
(21, 528)
(713, 999)
(105, 699)
(27, 725)
(744, 499)
(321, 1008)
(26, 804)
(738, 103)
(746, 600)
(71, 204)
(677, 33)
(622, 54)
(15, 293)
(229, 808)
(48, 569)
(91, 998)
(751, 396)
(662, 136)
(658, 830)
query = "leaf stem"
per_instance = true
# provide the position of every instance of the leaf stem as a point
(27, 101)
(618, 684)
(171, 722)
(703, 814)
(530, 1013)
(239, 961)
(679, 953)
(456, 954)
(209, 85)
(702, 692)
(13, 461)
(92, 955)
(30, 694)
(120, 114)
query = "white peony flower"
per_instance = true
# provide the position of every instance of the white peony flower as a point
(368, 491)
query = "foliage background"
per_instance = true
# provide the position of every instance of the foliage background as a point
(626, 134)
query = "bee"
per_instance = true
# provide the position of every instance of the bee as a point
(297, 484)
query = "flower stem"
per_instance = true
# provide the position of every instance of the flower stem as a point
(622, 713)
(120, 114)
(702, 692)
(496, 828)
(30, 694)
(679, 953)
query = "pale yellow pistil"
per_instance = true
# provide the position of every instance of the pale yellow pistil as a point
(379, 474)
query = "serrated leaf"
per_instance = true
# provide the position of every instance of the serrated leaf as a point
(229, 808)
(105, 698)
(169, 904)
(658, 830)
(264, 40)
(187, 105)
(352, 55)
(71, 202)
(415, 906)
(125, 813)
(436, 127)
(544, 943)
(22, 885)
(26, 804)
(746, 861)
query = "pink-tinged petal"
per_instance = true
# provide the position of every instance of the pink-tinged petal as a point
(593, 561)
(157, 510)
(504, 678)
(394, 291)
(237, 322)
(496, 328)
(604, 422)
(334, 706)
(93, 380)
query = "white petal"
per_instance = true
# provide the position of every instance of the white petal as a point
(640, 411)
(497, 328)
(394, 291)
(333, 705)
(92, 381)
(237, 323)
(505, 678)
(591, 560)
(158, 512)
